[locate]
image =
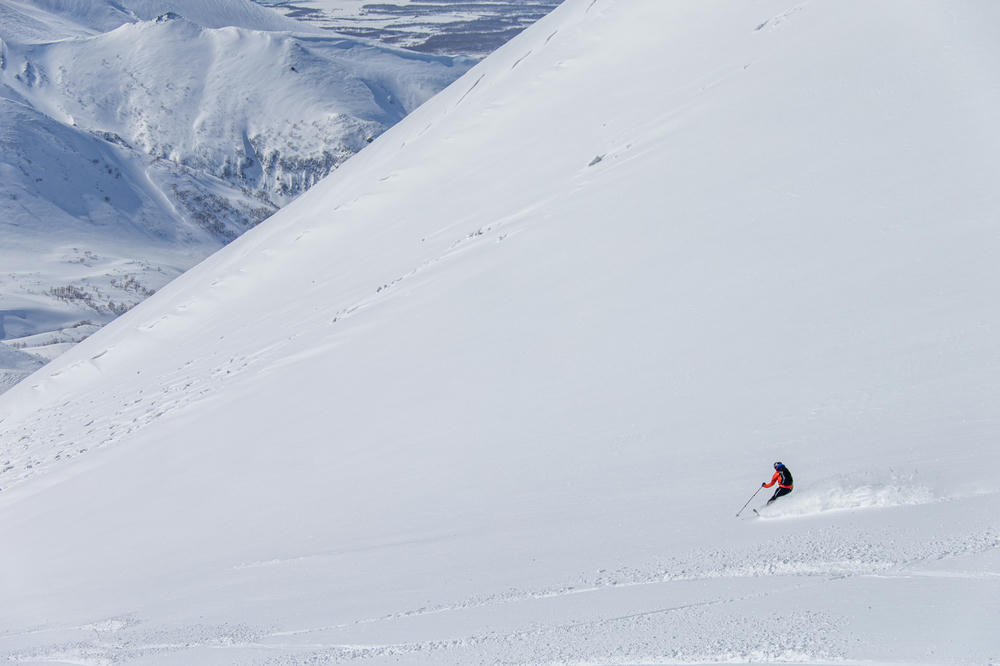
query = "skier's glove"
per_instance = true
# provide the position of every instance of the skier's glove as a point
(763, 484)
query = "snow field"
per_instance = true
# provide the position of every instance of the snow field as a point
(520, 393)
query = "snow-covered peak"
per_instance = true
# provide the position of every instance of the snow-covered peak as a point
(76, 17)
(217, 14)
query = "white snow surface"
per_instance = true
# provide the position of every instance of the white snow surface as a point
(494, 391)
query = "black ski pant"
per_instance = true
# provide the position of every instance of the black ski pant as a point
(779, 493)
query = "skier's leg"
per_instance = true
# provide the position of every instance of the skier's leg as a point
(779, 492)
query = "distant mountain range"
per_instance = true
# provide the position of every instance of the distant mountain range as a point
(453, 27)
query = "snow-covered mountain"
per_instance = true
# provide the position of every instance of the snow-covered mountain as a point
(138, 137)
(495, 390)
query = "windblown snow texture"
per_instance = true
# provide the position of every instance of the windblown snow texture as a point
(480, 397)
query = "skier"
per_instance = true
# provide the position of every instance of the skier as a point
(784, 480)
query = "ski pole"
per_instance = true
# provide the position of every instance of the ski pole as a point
(748, 502)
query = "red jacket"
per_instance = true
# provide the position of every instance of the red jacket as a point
(776, 479)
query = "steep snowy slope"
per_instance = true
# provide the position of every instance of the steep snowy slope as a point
(135, 141)
(495, 390)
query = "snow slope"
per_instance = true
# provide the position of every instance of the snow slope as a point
(138, 137)
(495, 390)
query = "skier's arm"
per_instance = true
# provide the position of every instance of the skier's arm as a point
(774, 480)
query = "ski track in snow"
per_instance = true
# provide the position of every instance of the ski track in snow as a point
(778, 20)
(36, 446)
(755, 639)
(812, 560)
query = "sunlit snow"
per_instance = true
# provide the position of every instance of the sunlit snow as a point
(495, 390)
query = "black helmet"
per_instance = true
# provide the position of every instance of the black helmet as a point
(778, 464)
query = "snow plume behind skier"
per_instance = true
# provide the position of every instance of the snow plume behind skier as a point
(783, 477)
